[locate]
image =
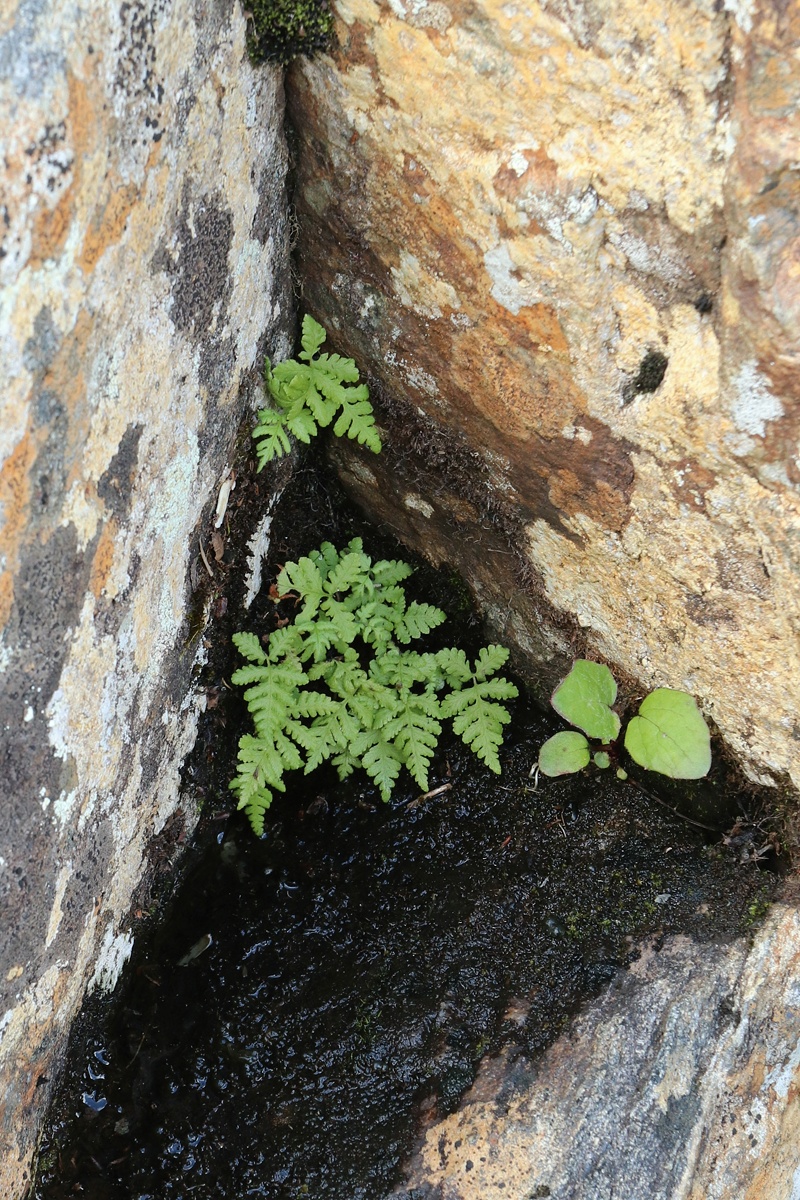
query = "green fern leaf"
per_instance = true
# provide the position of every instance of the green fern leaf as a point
(326, 558)
(315, 704)
(388, 572)
(249, 647)
(320, 635)
(489, 660)
(417, 620)
(414, 733)
(272, 440)
(455, 666)
(312, 337)
(379, 759)
(302, 577)
(301, 423)
(351, 571)
(345, 764)
(285, 643)
(255, 804)
(357, 420)
(333, 366)
(478, 719)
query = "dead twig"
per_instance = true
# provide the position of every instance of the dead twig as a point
(429, 795)
(205, 560)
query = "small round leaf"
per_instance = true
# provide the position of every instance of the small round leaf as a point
(601, 759)
(564, 754)
(670, 736)
(585, 697)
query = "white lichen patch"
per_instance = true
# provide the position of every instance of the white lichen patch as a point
(57, 912)
(258, 549)
(753, 404)
(114, 952)
(509, 288)
(417, 504)
(422, 291)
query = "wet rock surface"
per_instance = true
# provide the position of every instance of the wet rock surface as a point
(143, 272)
(309, 1000)
(678, 1083)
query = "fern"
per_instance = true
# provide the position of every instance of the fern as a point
(340, 684)
(308, 395)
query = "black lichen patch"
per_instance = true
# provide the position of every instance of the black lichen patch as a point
(652, 370)
(199, 264)
(280, 30)
(115, 485)
(49, 592)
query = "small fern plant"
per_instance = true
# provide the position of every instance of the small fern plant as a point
(308, 395)
(341, 684)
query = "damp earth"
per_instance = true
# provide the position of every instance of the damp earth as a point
(300, 1006)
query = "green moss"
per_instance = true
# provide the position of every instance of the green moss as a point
(280, 30)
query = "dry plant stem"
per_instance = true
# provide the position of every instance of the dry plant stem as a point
(674, 811)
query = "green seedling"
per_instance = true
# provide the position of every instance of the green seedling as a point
(669, 734)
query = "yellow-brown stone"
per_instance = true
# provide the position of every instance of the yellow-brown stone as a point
(508, 214)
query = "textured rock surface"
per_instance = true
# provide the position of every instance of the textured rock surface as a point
(680, 1083)
(563, 237)
(143, 272)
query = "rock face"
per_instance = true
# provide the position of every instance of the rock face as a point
(144, 273)
(680, 1083)
(564, 240)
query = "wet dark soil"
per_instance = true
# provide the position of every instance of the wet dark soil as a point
(305, 1001)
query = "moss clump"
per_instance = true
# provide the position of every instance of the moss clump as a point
(279, 30)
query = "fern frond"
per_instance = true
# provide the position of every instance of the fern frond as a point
(312, 337)
(326, 558)
(255, 803)
(388, 572)
(320, 635)
(490, 659)
(478, 719)
(414, 732)
(351, 571)
(379, 759)
(418, 619)
(315, 704)
(455, 666)
(300, 422)
(284, 643)
(357, 420)
(249, 647)
(270, 436)
(302, 577)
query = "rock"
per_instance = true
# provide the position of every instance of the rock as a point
(679, 1083)
(562, 239)
(144, 274)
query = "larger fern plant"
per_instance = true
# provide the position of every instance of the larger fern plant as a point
(341, 684)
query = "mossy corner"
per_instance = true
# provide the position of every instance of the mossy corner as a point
(280, 30)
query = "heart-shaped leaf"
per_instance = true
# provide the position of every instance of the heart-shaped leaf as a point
(585, 698)
(670, 736)
(564, 754)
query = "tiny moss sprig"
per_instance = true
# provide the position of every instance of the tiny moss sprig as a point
(308, 395)
(280, 30)
(340, 685)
